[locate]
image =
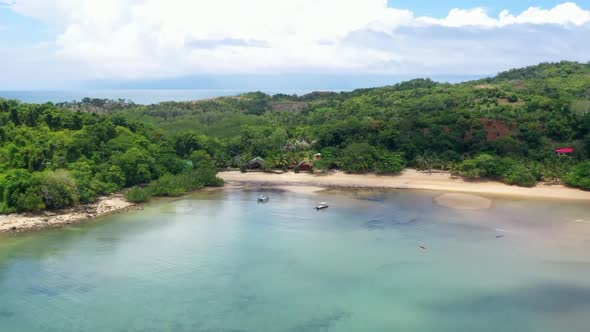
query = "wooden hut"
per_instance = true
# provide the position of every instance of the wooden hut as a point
(256, 163)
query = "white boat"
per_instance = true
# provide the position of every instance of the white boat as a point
(263, 199)
(323, 205)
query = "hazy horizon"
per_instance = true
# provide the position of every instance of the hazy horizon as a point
(184, 89)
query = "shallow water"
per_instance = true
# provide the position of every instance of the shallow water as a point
(217, 261)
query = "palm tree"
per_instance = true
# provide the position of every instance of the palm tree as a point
(425, 162)
(455, 170)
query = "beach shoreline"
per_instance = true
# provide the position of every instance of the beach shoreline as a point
(24, 222)
(309, 184)
(408, 179)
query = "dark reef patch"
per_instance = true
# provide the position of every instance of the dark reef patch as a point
(323, 323)
(379, 223)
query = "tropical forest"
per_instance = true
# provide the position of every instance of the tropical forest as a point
(521, 127)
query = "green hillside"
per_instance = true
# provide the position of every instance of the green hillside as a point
(517, 118)
(505, 128)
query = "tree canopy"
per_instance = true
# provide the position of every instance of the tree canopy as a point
(504, 128)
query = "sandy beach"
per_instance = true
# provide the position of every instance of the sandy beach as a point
(20, 222)
(459, 193)
(409, 179)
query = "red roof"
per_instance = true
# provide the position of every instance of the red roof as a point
(564, 150)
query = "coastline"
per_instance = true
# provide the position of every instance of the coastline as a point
(22, 222)
(408, 179)
(309, 184)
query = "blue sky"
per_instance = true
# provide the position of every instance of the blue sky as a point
(178, 43)
(17, 30)
(442, 8)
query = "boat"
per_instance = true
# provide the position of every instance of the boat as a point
(263, 199)
(323, 205)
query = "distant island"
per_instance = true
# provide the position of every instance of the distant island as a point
(521, 127)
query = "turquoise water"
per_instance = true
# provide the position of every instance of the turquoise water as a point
(217, 261)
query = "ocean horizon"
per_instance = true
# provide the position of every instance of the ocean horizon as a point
(138, 96)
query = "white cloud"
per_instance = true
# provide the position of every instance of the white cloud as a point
(564, 14)
(121, 39)
(445, 51)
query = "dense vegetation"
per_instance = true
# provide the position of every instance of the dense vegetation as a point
(505, 128)
(53, 158)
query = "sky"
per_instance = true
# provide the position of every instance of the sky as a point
(494, 7)
(72, 44)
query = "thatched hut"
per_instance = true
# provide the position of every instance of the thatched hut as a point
(256, 163)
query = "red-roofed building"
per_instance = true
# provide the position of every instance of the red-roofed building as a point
(564, 151)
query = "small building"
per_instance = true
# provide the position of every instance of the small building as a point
(304, 166)
(256, 163)
(564, 151)
(317, 156)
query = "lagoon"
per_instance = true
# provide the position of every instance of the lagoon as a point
(218, 261)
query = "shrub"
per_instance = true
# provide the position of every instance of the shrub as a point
(201, 159)
(579, 176)
(555, 169)
(82, 172)
(189, 180)
(115, 177)
(468, 168)
(329, 159)
(358, 158)
(29, 201)
(390, 163)
(18, 192)
(58, 189)
(490, 166)
(455, 170)
(486, 166)
(137, 195)
(168, 185)
(513, 98)
(520, 175)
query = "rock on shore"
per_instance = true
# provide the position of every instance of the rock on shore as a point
(20, 222)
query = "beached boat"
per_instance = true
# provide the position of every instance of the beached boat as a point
(323, 205)
(263, 199)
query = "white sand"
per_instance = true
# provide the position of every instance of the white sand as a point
(409, 179)
(30, 221)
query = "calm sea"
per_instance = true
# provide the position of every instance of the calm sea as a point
(137, 96)
(218, 261)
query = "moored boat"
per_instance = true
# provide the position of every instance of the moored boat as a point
(263, 199)
(323, 205)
